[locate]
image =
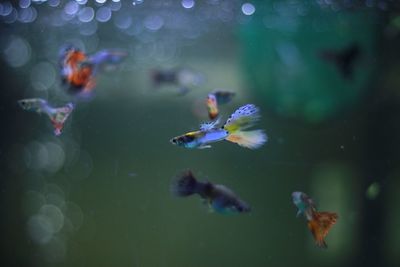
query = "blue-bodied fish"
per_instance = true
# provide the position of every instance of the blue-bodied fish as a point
(319, 223)
(57, 116)
(219, 198)
(232, 131)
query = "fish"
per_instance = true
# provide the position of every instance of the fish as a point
(319, 223)
(182, 78)
(78, 70)
(215, 99)
(218, 197)
(233, 131)
(57, 116)
(344, 59)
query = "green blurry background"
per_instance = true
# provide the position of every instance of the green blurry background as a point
(99, 194)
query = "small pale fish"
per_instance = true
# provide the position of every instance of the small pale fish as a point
(220, 198)
(57, 116)
(319, 223)
(232, 131)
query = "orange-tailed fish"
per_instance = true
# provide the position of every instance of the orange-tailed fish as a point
(232, 131)
(78, 70)
(215, 99)
(57, 116)
(219, 198)
(319, 223)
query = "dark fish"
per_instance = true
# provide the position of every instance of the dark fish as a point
(343, 59)
(182, 78)
(219, 198)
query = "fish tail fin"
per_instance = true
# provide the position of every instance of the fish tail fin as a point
(250, 139)
(108, 57)
(58, 116)
(184, 184)
(320, 225)
(244, 117)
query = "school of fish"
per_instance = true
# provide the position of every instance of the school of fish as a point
(78, 72)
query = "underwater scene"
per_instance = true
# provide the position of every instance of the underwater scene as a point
(200, 133)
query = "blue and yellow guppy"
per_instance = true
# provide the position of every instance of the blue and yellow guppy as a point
(232, 131)
(218, 197)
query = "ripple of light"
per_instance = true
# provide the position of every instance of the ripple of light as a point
(53, 3)
(248, 9)
(153, 22)
(27, 15)
(6, 8)
(101, 1)
(103, 14)
(86, 14)
(88, 29)
(40, 229)
(81, 2)
(18, 52)
(12, 17)
(115, 6)
(137, 2)
(54, 215)
(43, 76)
(24, 3)
(38, 156)
(187, 3)
(123, 21)
(56, 157)
(71, 8)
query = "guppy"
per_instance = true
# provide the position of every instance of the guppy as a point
(319, 223)
(57, 116)
(78, 70)
(216, 98)
(183, 78)
(219, 197)
(232, 131)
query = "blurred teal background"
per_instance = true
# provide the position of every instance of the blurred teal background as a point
(98, 195)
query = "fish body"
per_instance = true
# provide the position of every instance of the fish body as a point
(232, 131)
(212, 106)
(304, 204)
(319, 223)
(216, 98)
(182, 78)
(78, 70)
(220, 198)
(200, 139)
(223, 96)
(57, 116)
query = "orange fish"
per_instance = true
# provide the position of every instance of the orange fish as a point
(212, 106)
(319, 223)
(78, 70)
